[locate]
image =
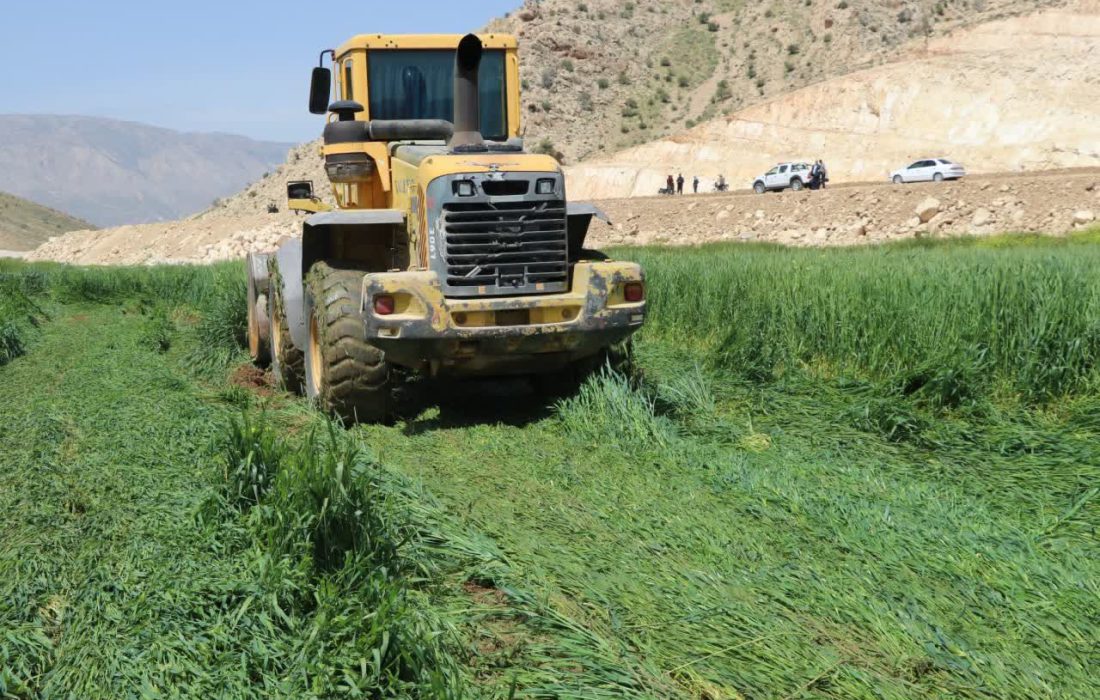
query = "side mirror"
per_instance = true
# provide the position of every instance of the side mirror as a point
(319, 86)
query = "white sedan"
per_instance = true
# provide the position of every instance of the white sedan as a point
(928, 170)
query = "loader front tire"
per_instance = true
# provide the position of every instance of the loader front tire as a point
(347, 376)
(287, 361)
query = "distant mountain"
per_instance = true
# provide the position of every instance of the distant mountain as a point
(25, 225)
(114, 172)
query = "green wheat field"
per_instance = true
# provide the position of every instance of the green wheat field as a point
(854, 473)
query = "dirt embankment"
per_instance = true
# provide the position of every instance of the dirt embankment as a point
(1054, 202)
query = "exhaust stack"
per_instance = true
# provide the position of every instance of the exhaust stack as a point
(467, 116)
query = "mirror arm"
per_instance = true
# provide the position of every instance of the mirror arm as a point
(321, 58)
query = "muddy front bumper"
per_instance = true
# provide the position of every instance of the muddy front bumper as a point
(501, 335)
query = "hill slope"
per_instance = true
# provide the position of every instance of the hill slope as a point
(1009, 95)
(113, 172)
(25, 225)
(602, 75)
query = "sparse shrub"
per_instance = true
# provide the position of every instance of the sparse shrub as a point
(567, 65)
(666, 61)
(793, 49)
(548, 77)
(603, 83)
(723, 92)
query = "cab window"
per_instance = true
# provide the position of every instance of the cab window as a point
(419, 84)
(773, 171)
(348, 92)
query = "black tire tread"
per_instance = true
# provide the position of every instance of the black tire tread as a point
(355, 383)
(289, 366)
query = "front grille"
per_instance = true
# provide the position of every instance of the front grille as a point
(507, 247)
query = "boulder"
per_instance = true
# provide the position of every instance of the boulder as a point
(1083, 217)
(982, 217)
(927, 209)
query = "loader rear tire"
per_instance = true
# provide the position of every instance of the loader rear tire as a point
(347, 376)
(259, 321)
(287, 361)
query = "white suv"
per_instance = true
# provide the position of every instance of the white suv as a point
(928, 170)
(793, 175)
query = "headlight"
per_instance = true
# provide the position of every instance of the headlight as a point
(545, 186)
(464, 188)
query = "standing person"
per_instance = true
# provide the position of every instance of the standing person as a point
(824, 172)
(815, 175)
(695, 184)
(680, 184)
(670, 186)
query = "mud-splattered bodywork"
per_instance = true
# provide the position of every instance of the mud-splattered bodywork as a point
(502, 334)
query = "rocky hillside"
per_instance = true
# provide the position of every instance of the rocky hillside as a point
(1017, 94)
(112, 172)
(25, 225)
(602, 75)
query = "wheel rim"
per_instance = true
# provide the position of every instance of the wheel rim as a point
(314, 359)
(276, 339)
(253, 332)
(796, 185)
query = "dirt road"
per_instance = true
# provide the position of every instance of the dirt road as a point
(1054, 202)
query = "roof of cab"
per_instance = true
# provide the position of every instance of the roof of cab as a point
(422, 41)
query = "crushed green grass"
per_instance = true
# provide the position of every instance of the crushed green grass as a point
(885, 488)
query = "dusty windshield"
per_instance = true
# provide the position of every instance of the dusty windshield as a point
(419, 84)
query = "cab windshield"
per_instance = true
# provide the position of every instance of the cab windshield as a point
(419, 84)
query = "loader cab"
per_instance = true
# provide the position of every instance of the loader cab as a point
(405, 77)
(394, 90)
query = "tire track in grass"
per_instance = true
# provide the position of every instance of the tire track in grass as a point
(739, 557)
(105, 574)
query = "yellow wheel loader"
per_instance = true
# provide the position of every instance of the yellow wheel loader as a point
(452, 251)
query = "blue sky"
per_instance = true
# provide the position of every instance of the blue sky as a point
(239, 66)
